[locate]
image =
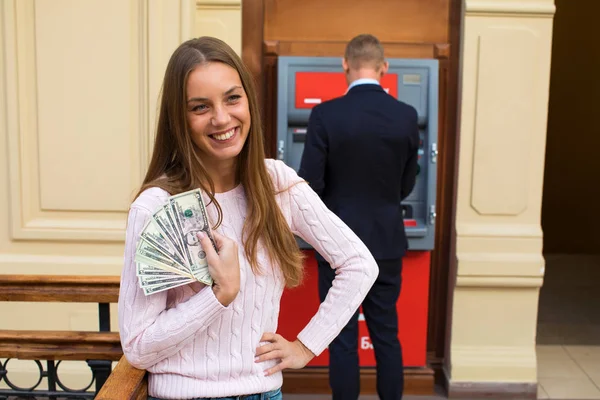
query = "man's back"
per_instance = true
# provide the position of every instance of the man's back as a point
(361, 158)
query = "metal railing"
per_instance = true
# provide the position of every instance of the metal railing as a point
(56, 388)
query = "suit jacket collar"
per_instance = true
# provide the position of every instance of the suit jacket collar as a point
(369, 87)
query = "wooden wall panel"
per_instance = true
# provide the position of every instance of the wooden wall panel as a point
(59, 132)
(65, 118)
(252, 41)
(393, 21)
(81, 99)
(336, 49)
(443, 261)
(79, 83)
(222, 19)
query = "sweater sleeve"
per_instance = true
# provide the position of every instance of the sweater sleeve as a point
(151, 332)
(356, 269)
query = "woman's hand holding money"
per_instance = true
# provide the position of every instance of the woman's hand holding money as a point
(224, 266)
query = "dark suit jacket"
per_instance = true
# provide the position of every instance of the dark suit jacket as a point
(360, 156)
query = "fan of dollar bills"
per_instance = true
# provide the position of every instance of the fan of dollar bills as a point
(169, 253)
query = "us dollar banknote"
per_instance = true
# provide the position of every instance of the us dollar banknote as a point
(161, 280)
(190, 219)
(153, 234)
(164, 220)
(148, 290)
(168, 253)
(149, 255)
(146, 270)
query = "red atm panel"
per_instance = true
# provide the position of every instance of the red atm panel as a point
(298, 306)
(313, 88)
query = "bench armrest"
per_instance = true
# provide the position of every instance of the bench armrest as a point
(124, 383)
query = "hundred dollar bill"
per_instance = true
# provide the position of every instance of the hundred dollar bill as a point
(153, 280)
(164, 220)
(190, 218)
(149, 255)
(153, 234)
(148, 290)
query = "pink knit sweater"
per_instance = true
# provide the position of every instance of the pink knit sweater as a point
(195, 347)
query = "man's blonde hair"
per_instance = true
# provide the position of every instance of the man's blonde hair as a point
(364, 51)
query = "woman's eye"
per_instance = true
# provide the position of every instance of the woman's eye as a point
(199, 108)
(234, 98)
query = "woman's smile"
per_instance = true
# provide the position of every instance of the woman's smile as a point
(226, 136)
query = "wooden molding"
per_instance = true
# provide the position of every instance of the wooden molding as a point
(492, 7)
(496, 230)
(253, 17)
(443, 264)
(337, 48)
(218, 4)
(441, 51)
(70, 288)
(500, 281)
(417, 381)
(271, 47)
(492, 390)
(60, 345)
(60, 264)
(40, 228)
(488, 390)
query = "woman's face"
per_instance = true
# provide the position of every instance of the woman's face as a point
(218, 112)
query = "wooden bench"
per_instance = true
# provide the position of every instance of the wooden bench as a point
(98, 348)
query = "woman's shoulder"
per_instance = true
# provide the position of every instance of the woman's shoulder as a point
(151, 199)
(282, 175)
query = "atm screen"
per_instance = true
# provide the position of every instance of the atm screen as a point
(313, 88)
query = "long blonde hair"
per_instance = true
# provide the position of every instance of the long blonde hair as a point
(176, 167)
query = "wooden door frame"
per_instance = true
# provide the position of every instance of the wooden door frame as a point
(443, 262)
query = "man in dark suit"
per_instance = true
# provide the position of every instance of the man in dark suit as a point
(360, 156)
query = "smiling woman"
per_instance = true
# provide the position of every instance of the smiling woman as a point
(218, 116)
(220, 342)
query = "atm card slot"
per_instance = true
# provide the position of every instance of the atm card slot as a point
(415, 228)
(298, 135)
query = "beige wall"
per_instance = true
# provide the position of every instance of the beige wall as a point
(569, 216)
(220, 18)
(79, 85)
(505, 74)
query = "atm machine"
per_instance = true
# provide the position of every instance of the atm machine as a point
(304, 82)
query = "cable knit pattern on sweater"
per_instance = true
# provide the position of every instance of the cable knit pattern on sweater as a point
(191, 344)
